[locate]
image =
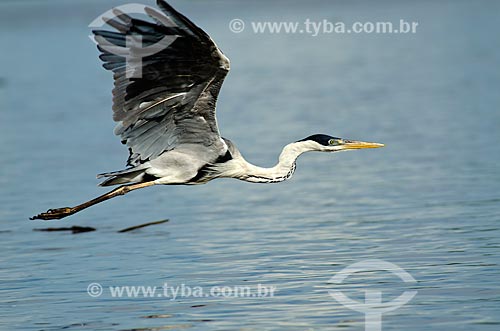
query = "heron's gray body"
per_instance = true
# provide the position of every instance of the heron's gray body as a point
(195, 164)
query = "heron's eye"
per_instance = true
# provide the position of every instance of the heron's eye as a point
(332, 142)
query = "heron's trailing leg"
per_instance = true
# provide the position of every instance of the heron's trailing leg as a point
(66, 211)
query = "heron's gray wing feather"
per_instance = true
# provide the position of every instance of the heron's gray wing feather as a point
(173, 101)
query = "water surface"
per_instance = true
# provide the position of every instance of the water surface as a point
(428, 202)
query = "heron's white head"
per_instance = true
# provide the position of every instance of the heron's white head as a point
(326, 143)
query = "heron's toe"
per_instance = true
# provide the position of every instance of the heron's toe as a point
(52, 214)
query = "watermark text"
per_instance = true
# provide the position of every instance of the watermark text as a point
(322, 27)
(174, 292)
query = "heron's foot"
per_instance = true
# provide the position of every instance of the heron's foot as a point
(54, 214)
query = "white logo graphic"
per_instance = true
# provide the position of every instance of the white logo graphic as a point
(237, 25)
(133, 51)
(94, 290)
(372, 307)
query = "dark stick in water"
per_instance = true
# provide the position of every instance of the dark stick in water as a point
(142, 226)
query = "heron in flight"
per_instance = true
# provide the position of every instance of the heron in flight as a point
(166, 115)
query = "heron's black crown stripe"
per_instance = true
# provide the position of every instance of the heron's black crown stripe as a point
(319, 138)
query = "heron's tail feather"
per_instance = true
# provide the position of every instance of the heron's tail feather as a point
(127, 176)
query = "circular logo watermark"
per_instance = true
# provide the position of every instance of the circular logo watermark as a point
(372, 307)
(134, 50)
(94, 290)
(237, 25)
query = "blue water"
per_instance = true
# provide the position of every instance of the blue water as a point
(428, 202)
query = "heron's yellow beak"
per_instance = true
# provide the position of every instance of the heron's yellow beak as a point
(353, 144)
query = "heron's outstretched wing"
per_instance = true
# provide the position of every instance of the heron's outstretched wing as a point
(165, 99)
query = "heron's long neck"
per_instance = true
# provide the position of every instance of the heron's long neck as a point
(281, 171)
